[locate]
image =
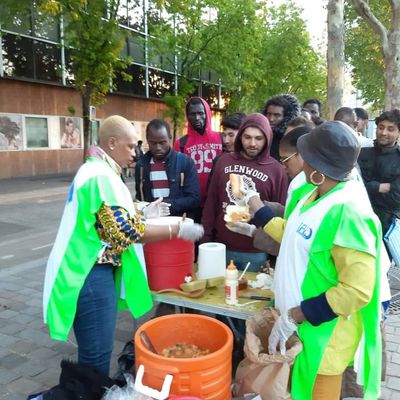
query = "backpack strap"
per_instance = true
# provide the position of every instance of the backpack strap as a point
(182, 143)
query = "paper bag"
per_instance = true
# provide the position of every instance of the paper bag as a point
(259, 372)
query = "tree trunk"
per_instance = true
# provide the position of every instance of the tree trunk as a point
(87, 128)
(392, 70)
(390, 47)
(335, 57)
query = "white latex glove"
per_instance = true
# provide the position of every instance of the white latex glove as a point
(157, 209)
(248, 193)
(189, 231)
(242, 227)
(280, 333)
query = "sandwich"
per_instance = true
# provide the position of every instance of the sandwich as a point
(234, 213)
(236, 182)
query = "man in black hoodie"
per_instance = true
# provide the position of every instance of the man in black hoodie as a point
(280, 110)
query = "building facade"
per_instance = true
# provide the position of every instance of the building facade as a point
(41, 127)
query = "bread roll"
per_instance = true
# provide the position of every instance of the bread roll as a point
(236, 183)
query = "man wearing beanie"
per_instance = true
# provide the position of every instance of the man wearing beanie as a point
(251, 159)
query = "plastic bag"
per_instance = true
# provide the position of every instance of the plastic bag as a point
(262, 373)
(127, 392)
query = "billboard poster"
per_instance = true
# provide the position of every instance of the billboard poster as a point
(70, 132)
(11, 132)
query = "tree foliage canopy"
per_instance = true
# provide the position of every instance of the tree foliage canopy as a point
(363, 52)
(258, 51)
(287, 62)
(95, 41)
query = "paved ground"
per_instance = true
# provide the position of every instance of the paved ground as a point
(29, 360)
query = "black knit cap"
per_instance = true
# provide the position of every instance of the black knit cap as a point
(331, 148)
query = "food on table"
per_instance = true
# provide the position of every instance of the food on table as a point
(184, 350)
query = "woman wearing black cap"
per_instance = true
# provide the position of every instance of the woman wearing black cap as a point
(325, 286)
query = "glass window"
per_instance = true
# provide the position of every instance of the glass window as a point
(69, 74)
(20, 22)
(122, 13)
(136, 48)
(36, 132)
(163, 62)
(28, 58)
(205, 74)
(168, 63)
(47, 62)
(138, 83)
(155, 15)
(160, 83)
(214, 77)
(135, 13)
(33, 22)
(45, 26)
(17, 56)
(225, 98)
(95, 132)
(210, 94)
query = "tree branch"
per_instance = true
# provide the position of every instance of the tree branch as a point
(185, 59)
(203, 47)
(365, 12)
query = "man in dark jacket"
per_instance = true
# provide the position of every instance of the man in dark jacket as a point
(380, 168)
(260, 171)
(280, 110)
(163, 172)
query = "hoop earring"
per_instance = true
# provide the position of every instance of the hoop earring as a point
(313, 181)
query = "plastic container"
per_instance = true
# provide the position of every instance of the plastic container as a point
(208, 377)
(168, 261)
(231, 284)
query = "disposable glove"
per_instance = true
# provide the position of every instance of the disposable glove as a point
(157, 209)
(247, 190)
(190, 231)
(280, 333)
(242, 228)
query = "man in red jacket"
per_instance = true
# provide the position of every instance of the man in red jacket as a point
(201, 143)
(260, 171)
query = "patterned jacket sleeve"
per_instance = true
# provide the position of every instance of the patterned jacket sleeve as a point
(117, 228)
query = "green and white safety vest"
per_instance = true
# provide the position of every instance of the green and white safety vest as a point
(305, 269)
(77, 247)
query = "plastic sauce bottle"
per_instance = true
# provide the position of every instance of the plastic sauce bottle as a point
(231, 284)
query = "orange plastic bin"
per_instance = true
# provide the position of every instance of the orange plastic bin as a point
(208, 377)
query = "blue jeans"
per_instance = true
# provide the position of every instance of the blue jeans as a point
(96, 317)
(241, 258)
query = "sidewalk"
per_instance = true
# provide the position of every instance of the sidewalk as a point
(32, 188)
(29, 360)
